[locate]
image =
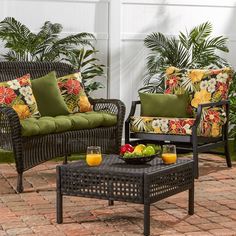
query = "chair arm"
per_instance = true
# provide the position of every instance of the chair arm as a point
(9, 124)
(116, 107)
(210, 105)
(10, 134)
(132, 110)
(113, 106)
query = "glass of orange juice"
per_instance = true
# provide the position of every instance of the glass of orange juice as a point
(169, 155)
(93, 156)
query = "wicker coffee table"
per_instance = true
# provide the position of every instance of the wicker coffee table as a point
(114, 180)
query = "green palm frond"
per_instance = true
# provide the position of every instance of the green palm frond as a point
(46, 45)
(194, 49)
(156, 41)
(11, 29)
(77, 39)
(200, 33)
(85, 61)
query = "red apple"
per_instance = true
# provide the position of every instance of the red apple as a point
(126, 148)
(129, 147)
(123, 149)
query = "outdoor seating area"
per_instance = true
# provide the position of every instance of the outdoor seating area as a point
(33, 212)
(117, 118)
(201, 123)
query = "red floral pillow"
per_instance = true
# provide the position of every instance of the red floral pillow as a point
(18, 94)
(72, 91)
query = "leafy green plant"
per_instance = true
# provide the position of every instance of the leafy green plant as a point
(194, 49)
(89, 67)
(48, 45)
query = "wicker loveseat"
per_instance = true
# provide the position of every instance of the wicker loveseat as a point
(30, 151)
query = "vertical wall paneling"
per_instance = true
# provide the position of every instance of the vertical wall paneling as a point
(120, 27)
(114, 48)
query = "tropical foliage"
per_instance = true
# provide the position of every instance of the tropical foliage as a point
(194, 49)
(89, 67)
(48, 45)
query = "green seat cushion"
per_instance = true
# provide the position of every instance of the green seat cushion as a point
(58, 124)
(164, 105)
(48, 96)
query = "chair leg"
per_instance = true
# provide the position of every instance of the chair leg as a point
(196, 169)
(20, 187)
(195, 157)
(65, 161)
(227, 154)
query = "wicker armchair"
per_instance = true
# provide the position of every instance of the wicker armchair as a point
(34, 150)
(207, 126)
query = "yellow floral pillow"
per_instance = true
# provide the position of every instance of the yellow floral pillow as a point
(72, 91)
(18, 94)
(203, 86)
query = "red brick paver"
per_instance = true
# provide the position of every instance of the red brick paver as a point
(33, 212)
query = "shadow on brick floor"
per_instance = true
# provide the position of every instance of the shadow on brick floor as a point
(33, 212)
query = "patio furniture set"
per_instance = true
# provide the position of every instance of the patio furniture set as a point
(114, 180)
(99, 122)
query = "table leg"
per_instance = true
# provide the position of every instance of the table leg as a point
(191, 200)
(110, 202)
(59, 208)
(146, 219)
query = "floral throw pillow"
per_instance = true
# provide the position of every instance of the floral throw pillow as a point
(209, 85)
(72, 91)
(203, 86)
(18, 94)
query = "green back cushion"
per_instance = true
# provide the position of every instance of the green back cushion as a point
(77, 121)
(164, 105)
(48, 96)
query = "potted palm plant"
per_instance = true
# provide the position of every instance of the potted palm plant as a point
(48, 45)
(194, 49)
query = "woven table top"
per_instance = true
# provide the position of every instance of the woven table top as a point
(111, 163)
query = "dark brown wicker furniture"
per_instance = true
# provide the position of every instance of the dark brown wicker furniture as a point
(115, 180)
(31, 151)
(194, 143)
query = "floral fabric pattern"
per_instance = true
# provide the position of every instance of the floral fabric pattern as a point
(160, 125)
(203, 86)
(176, 126)
(18, 94)
(72, 91)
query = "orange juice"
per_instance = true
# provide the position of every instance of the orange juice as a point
(169, 158)
(94, 159)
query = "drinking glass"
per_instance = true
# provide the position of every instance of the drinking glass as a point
(93, 156)
(169, 155)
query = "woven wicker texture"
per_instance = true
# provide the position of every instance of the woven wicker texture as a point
(31, 151)
(115, 180)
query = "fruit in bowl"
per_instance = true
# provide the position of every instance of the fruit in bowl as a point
(139, 154)
(127, 148)
(141, 150)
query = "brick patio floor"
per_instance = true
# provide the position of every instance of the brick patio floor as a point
(33, 212)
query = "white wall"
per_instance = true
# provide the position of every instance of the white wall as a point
(74, 15)
(121, 26)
